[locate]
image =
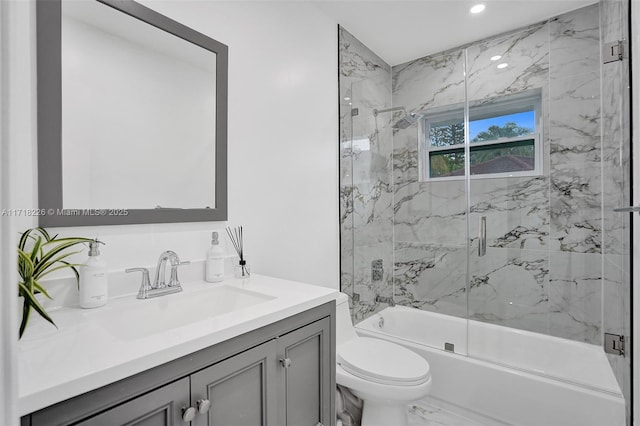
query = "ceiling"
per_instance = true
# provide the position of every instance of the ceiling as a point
(402, 30)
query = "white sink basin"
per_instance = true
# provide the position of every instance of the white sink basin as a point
(145, 317)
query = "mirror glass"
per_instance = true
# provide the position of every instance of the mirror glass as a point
(138, 122)
(132, 116)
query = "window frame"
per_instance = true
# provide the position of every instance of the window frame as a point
(481, 110)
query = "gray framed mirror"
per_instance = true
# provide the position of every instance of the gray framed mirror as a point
(132, 116)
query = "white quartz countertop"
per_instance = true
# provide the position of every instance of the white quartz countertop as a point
(94, 347)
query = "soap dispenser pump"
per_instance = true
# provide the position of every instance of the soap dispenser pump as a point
(94, 285)
(214, 265)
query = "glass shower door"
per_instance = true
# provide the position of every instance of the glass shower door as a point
(508, 189)
(548, 161)
(430, 220)
(367, 198)
(616, 184)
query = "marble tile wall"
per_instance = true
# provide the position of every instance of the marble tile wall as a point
(575, 176)
(366, 192)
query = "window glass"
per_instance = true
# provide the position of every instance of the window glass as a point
(502, 126)
(446, 163)
(447, 132)
(503, 158)
(504, 135)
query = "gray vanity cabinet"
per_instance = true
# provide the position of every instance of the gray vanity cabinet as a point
(162, 407)
(282, 374)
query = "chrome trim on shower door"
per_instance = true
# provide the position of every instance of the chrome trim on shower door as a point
(629, 209)
(482, 236)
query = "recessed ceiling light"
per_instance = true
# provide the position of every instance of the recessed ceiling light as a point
(503, 65)
(477, 8)
(346, 98)
(496, 57)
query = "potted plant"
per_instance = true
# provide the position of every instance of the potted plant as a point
(39, 254)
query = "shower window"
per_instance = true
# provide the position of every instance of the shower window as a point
(504, 135)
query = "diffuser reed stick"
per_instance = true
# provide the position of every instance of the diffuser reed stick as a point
(236, 237)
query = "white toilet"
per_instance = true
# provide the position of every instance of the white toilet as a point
(386, 376)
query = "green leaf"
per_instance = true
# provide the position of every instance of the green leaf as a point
(26, 313)
(42, 267)
(53, 252)
(64, 266)
(33, 302)
(41, 290)
(24, 238)
(25, 265)
(44, 233)
(36, 249)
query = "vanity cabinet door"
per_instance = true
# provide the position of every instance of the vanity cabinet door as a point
(161, 407)
(240, 390)
(304, 381)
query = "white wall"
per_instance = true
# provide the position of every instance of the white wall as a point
(283, 148)
(16, 179)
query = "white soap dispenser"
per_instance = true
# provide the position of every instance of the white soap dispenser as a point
(214, 265)
(94, 286)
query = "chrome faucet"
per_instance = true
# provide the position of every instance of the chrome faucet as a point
(159, 286)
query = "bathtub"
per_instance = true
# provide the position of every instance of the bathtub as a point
(531, 378)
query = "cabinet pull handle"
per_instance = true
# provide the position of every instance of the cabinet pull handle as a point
(203, 405)
(188, 414)
(285, 362)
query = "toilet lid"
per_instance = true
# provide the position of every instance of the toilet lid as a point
(382, 362)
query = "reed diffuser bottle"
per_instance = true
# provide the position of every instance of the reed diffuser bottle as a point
(242, 269)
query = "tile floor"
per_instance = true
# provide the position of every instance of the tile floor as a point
(433, 412)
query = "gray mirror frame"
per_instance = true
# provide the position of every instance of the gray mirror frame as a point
(49, 81)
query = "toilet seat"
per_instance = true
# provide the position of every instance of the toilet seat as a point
(382, 362)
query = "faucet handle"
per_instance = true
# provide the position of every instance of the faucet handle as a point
(146, 283)
(173, 280)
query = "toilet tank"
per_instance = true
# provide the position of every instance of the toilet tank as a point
(344, 325)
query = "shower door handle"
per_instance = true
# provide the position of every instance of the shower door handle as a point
(482, 237)
(629, 209)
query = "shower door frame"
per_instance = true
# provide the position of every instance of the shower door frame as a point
(634, 42)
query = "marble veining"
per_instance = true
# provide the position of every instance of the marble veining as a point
(527, 54)
(575, 42)
(431, 277)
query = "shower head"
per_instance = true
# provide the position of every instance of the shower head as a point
(407, 120)
(404, 122)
